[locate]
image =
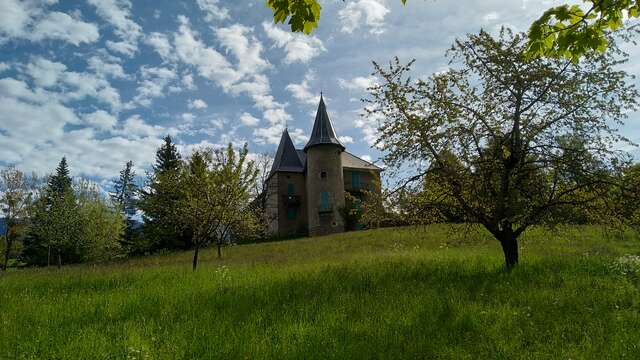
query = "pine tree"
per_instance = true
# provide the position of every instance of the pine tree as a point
(158, 201)
(125, 191)
(61, 181)
(125, 198)
(167, 157)
(55, 229)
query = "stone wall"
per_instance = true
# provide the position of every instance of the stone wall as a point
(324, 159)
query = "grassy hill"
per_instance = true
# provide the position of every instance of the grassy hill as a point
(391, 293)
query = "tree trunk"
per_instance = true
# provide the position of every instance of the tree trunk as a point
(6, 255)
(7, 248)
(219, 243)
(510, 249)
(48, 255)
(195, 258)
(59, 259)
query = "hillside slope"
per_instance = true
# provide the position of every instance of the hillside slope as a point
(391, 293)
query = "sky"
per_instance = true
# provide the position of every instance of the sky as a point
(103, 81)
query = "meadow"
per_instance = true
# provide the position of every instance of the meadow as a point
(435, 292)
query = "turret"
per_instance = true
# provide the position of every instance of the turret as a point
(324, 178)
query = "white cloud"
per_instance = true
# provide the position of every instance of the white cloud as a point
(75, 85)
(160, 43)
(247, 50)
(299, 48)
(136, 127)
(29, 20)
(369, 124)
(101, 120)
(490, 17)
(87, 154)
(248, 119)
(104, 68)
(4, 67)
(213, 11)
(197, 104)
(154, 81)
(118, 14)
(358, 83)
(244, 77)
(301, 92)
(345, 139)
(44, 72)
(210, 63)
(366, 158)
(369, 13)
(188, 117)
(60, 26)
(187, 81)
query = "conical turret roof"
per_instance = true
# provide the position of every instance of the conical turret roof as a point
(287, 158)
(322, 132)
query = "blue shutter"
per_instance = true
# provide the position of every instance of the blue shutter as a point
(290, 189)
(355, 180)
(291, 213)
(324, 201)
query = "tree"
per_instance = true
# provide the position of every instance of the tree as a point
(55, 226)
(125, 196)
(60, 182)
(215, 187)
(158, 201)
(125, 190)
(511, 138)
(103, 224)
(568, 31)
(571, 31)
(16, 196)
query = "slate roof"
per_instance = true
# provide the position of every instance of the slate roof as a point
(322, 132)
(353, 162)
(287, 157)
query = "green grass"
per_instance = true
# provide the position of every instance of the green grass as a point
(391, 293)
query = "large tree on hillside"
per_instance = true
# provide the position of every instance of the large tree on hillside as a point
(216, 189)
(158, 201)
(511, 139)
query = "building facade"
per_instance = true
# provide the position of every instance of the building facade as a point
(305, 190)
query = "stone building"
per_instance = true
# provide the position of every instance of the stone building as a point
(305, 190)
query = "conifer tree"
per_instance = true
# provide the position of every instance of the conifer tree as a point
(125, 197)
(125, 190)
(55, 228)
(61, 181)
(162, 227)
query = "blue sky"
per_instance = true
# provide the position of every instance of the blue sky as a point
(102, 81)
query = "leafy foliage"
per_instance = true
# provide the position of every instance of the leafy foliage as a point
(16, 196)
(158, 201)
(570, 31)
(103, 225)
(215, 189)
(303, 15)
(510, 139)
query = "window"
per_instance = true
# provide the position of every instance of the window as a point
(355, 180)
(324, 201)
(290, 189)
(323, 175)
(291, 213)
